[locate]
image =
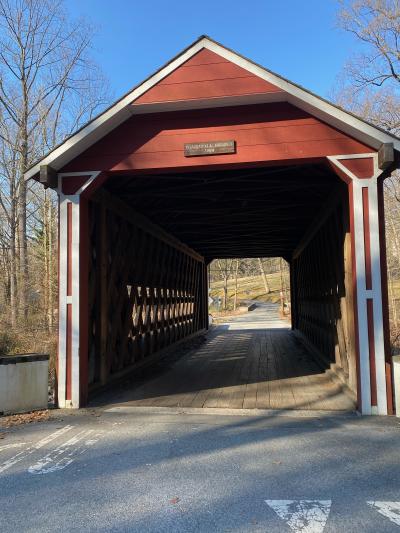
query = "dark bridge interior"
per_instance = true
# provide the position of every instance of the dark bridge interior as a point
(233, 213)
(152, 236)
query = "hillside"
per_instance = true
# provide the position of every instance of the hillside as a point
(249, 288)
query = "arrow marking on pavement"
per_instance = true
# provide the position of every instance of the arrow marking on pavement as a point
(28, 451)
(389, 509)
(65, 454)
(302, 516)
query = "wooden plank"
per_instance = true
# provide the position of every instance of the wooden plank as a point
(232, 396)
(274, 372)
(103, 282)
(123, 210)
(300, 367)
(141, 140)
(210, 80)
(221, 373)
(215, 374)
(207, 379)
(319, 220)
(252, 376)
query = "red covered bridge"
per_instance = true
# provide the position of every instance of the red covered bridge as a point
(214, 156)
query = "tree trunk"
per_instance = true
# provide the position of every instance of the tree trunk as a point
(264, 277)
(51, 269)
(23, 245)
(47, 257)
(236, 285)
(281, 292)
(225, 290)
(13, 266)
(224, 274)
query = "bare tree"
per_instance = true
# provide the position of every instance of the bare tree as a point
(371, 88)
(264, 276)
(376, 23)
(48, 87)
(225, 266)
(236, 284)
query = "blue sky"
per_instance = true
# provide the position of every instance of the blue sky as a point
(298, 39)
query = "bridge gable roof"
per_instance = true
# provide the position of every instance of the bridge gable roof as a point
(207, 75)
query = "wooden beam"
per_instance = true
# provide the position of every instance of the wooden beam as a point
(103, 282)
(318, 221)
(123, 210)
(48, 177)
(385, 156)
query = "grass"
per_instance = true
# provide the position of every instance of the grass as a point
(249, 288)
(396, 288)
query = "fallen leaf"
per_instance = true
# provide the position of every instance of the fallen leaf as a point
(24, 418)
(174, 500)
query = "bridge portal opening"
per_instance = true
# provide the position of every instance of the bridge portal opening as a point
(211, 157)
(154, 240)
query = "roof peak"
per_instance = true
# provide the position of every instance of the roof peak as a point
(291, 92)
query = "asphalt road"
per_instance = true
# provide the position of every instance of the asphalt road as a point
(162, 470)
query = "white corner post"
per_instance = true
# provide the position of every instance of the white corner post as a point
(367, 282)
(72, 333)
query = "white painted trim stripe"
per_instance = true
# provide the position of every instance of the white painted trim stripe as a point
(92, 176)
(377, 300)
(361, 298)
(363, 294)
(62, 302)
(75, 382)
(112, 117)
(74, 298)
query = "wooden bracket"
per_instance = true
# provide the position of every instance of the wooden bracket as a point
(48, 176)
(385, 156)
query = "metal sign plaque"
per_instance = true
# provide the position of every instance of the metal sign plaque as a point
(209, 148)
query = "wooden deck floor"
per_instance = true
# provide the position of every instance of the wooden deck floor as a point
(254, 361)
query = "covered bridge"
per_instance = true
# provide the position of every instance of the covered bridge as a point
(214, 156)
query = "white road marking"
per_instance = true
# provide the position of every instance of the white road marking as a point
(390, 510)
(14, 445)
(28, 451)
(66, 453)
(302, 516)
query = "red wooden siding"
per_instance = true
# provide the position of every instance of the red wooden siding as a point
(83, 297)
(263, 133)
(68, 349)
(371, 344)
(69, 249)
(367, 240)
(206, 75)
(362, 168)
(71, 184)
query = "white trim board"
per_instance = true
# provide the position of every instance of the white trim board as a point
(364, 294)
(294, 94)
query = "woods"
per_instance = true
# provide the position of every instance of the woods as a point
(235, 281)
(49, 87)
(370, 87)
